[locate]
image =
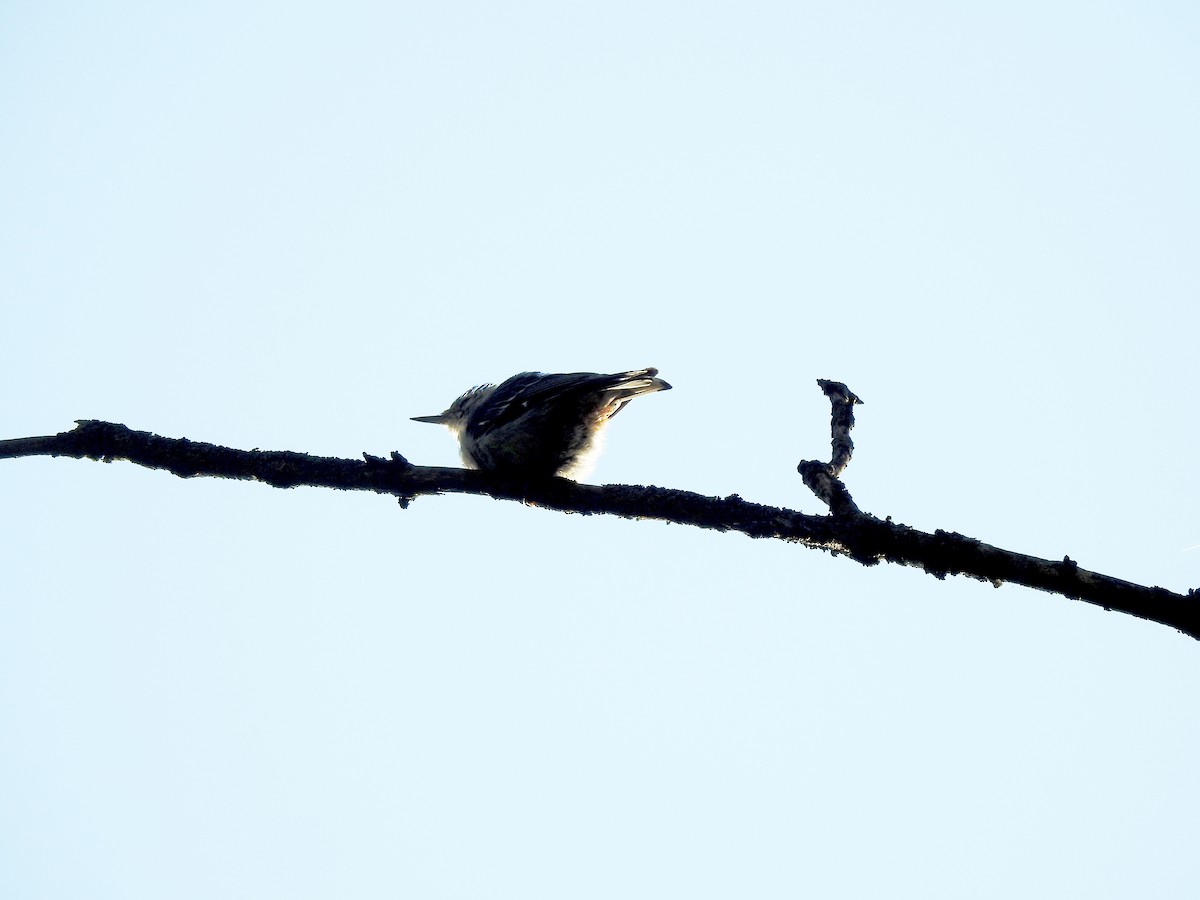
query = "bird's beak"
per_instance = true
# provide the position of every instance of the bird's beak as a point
(440, 419)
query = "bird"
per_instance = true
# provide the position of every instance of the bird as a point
(535, 425)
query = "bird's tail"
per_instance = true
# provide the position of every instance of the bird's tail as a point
(628, 385)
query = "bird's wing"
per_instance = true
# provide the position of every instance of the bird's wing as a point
(512, 398)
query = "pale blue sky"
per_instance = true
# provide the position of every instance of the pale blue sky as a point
(293, 226)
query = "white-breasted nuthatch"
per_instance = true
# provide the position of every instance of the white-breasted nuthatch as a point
(536, 425)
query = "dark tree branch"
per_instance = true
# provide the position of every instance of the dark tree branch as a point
(847, 531)
(822, 477)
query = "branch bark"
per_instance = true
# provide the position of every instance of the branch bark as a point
(846, 531)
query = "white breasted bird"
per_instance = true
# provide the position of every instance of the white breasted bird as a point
(536, 425)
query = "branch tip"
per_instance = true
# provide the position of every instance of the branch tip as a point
(837, 391)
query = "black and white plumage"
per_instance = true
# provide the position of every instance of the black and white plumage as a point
(537, 425)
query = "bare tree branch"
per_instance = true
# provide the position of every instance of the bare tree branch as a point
(846, 531)
(822, 477)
